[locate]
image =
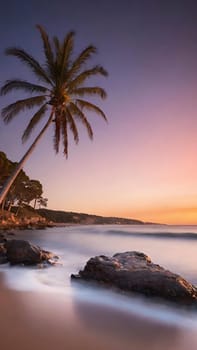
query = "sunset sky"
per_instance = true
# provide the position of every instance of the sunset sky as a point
(143, 163)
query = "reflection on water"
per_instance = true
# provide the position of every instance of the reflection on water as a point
(55, 320)
(59, 322)
(128, 330)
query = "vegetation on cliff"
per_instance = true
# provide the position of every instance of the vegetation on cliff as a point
(27, 217)
(30, 217)
(59, 216)
(23, 191)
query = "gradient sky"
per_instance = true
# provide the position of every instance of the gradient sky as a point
(143, 163)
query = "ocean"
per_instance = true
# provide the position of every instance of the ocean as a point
(173, 247)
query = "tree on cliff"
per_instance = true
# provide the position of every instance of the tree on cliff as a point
(59, 93)
(23, 190)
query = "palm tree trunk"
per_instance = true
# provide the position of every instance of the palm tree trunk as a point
(19, 166)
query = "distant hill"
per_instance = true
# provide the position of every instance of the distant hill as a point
(59, 216)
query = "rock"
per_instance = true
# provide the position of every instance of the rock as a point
(23, 252)
(134, 272)
(49, 256)
(3, 254)
(3, 259)
(19, 251)
(2, 248)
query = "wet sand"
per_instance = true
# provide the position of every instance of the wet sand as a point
(43, 320)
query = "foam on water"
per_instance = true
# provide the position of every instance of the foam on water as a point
(75, 245)
(29, 280)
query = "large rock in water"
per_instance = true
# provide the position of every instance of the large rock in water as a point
(134, 272)
(23, 252)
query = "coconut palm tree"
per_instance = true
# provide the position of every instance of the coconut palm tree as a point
(59, 93)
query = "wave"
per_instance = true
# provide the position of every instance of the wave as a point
(163, 235)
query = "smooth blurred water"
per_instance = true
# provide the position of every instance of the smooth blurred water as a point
(173, 247)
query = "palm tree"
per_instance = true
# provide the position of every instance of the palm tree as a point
(59, 93)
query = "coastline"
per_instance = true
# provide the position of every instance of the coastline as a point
(42, 218)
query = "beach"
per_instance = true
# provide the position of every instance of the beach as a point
(32, 320)
(42, 309)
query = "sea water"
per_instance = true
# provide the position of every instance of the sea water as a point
(173, 247)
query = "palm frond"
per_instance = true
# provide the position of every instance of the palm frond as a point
(57, 45)
(80, 79)
(58, 53)
(30, 62)
(18, 84)
(50, 64)
(13, 109)
(72, 124)
(66, 90)
(90, 106)
(57, 132)
(33, 122)
(47, 46)
(77, 112)
(81, 60)
(66, 52)
(65, 134)
(94, 90)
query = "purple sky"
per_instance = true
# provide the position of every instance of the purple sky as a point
(143, 162)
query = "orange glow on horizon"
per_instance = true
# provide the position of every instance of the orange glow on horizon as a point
(171, 216)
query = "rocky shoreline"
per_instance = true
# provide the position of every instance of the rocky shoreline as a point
(134, 272)
(21, 252)
(9, 221)
(131, 272)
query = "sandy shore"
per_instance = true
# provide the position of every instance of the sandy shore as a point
(32, 320)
